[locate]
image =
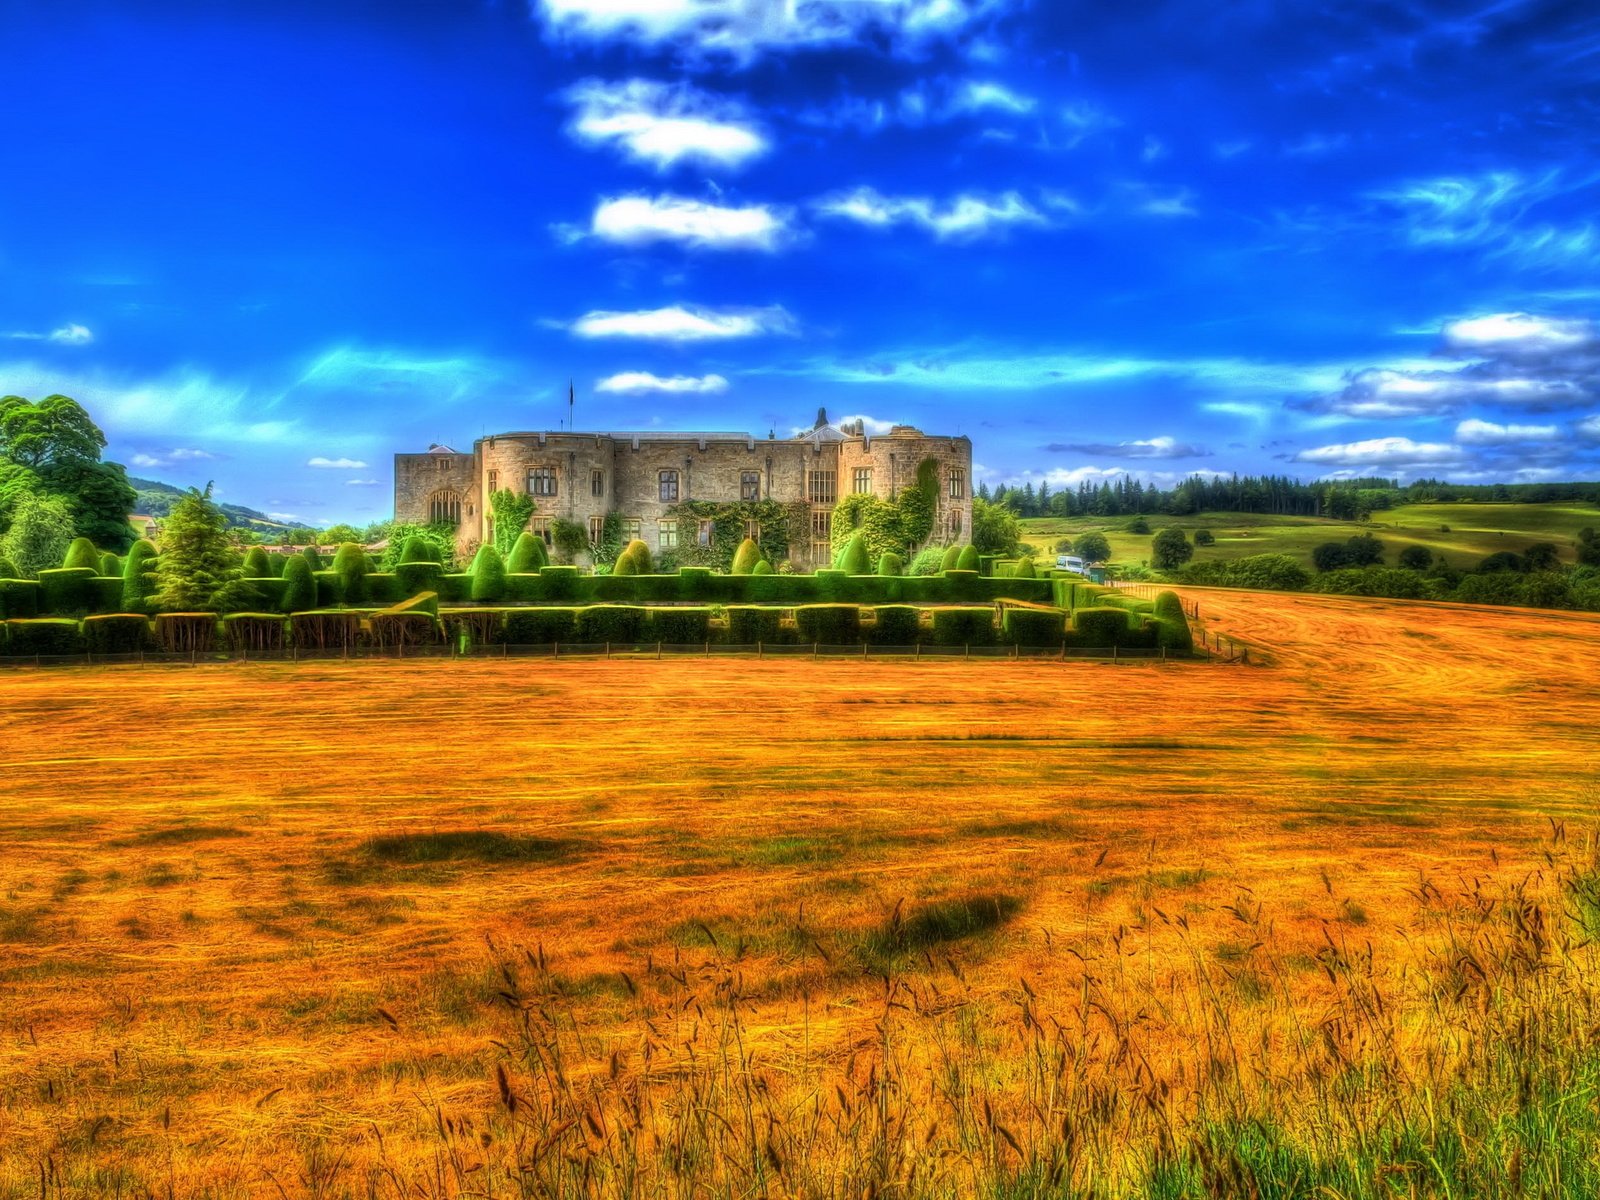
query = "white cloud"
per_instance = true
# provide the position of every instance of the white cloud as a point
(1589, 427)
(167, 458)
(640, 220)
(634, 382)
(664, 124)
(147, 460)
(964, 218)
(1521, 335)
(1175, 204)
(980, 95)
(354, 370)
(684, 324)
(1156, 447)
(283, 517)
(1383, 453)
(1474, 432)
(67, 335)
(361, 483)
(341, 464)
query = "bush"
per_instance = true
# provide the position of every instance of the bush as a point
(761, 568)
(829, 624)
(351, 566)
(8, 569)
(963, 626)
(1102, 627)
(1502, 560)
(259, 633)
(138, 577)
(299, 585)
(891, 564)
(110, 564)
(560, 583)
(1034, 627)
(43, 635)
(116, 633)
(256, 565)
(527, 555)
(1139, 525)
(1024, 569)
(488, 575)
(678, 626)
(67, 591)
(1416, 558)
(634, 559)
(967, 559)
(1170, 549)
(1392, 582)
(421, 550)
(413, 577)
(752, 624)
(19, 598)
(1271, 572)
(950, 560)
(615, 623)
(1173, 633)
(81, 554)
(853, 560)
(569, 537)
(695, 583)
(1204, 537)
(928, 561)
(746, 557)
(895, 625)
(313, 557)
(107, 594)
(541, 626)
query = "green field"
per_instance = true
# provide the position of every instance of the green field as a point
(1461, 533)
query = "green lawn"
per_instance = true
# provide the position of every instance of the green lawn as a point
(1460, 533)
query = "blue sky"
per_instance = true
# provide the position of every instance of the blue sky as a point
(271, 243)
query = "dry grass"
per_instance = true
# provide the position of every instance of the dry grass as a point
(794, 928)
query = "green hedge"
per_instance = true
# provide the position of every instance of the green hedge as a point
(541, 626)
(895, 625)
(829, 624)
(456, 587)
(411, 627)
(43, 635)
(678, 626)
(67, 591)
(749, 625)
(1032, 627)
(116, 633)
(330, 589)
(384, 588)
(107, 594)
(19, 598)
(1107, 625)
(427, 602)
(273, 591)
(414, 577)
(325, 630)
(1173, 632)
(254, 632)
(963, 626)
(561, 583)
(611, 623)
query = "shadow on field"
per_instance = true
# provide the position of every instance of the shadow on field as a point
(447, 848)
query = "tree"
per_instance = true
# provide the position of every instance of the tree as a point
(1416, 558)
(527, 555)
(101, 499)
(1330, 556)
(1204, 537)
(1093, 547)
(746, 557)
(1170, 549)
(569, 537)
(1139, 525)
(54, 431)
(40, 532)
(1364, 551)
(995, 528)
(1542, 556)
(511, 512)
(337, 535)
(196, 571)
(16, 481)
(299, 585)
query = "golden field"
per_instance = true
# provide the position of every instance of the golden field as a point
(791, 928)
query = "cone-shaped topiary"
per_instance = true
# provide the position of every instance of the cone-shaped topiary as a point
(746, 557)
(891, 564)
(1025, 569)
(488, 575)
(299, 585)
(634, 560)
(761, 568)
(312, 557)
(110, 565)
(528, 554)
(420, 549)
(351, 566)
(256, 565)
(82, 554)
(853, 560)
(967, 560)
(951, 560)
(8, 569)
(138, 577)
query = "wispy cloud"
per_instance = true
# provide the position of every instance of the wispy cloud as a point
(1473, 432)
(361, 483)
(1383, 454)
(681, 323)
(67, 335)
(341, 464)
(641, 220)
(966, 217)
(1156, 447)
(638, 382)
(663, 125)
(173, 457)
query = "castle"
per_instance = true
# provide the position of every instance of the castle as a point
(643, 476)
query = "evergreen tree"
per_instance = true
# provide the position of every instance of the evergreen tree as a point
(197, 571)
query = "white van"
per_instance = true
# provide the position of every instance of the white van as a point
(1073, 563)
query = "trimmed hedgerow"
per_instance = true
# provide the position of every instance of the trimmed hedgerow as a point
(138, 576)
(43, 635)
(1033, 627)
(455, 587)
(962, 584)
(116, 633)
(67, 591)
(325, 630)
(1102, 627)
(611, 623)
(560, 582)
(272, 592)
(82, 555)
(404, 628)
(414, 577)
(746, 557)
(834, 587)
(678, 626)
(895, 625)
(19, 598)
(330, 590)
(1025, 569)
(299, 586)
(425, 602)
(186, 633)
(107, 594)
(749, 624)
(697, 583)
(527, 555)
(383, 588)
(963, 626)
(1172, 632)
(541, 626)
(257, 633)
(829, 624)
(421, 550)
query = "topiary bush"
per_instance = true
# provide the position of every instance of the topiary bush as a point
(351, 566)
(256, 565)
(421, 550)
(313, 557)
(1102, 627)
(560, 583)
(67, 591)
(299, 585)
(255, 633)
(634, 559)
(19, 598)
(895, 625)
(891, 564)
(678, 626)
(751, 624)
(488, 576)
(950, 559)
(413, 577)
(82, 555)
(43, 635)
(117, 633)
(527, 555)
(829, 624)
(541, 626)
(1024, 569)
(616, 623)
(963, 626)
(107, 594)
(746, 557)
(8, 569)
(110, 564)
(761, 568)
(138, 577)
(695, 583)
(967, 559)
(853, 560)
(1034, 627)
(1173, 632)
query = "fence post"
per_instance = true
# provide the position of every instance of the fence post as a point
(814, 646)
(708, 648)
(966, 651)
(1113, 654)
(658, 651)
(555, 649)
(608, 650)
(758, 649)
(1063, 649)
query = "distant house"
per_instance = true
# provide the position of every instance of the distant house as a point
(143, 526)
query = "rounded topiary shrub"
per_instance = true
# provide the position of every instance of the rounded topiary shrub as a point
(541, 626)
(619, 624)
(81, 555)
(829, 624)
(488, 575)
(299, 585)
(746, 557)
(116, 633)
(138, 576)
(963, 626)
(421, 550)
(1025, 569)
(967, 560)
(528, 554)
(895, 625)
(951, 559)
(110, 565)
(853, 559)
(314, 557)
(1031, 627)
(891, 564)
(754, 624)
(635, 559)
(761, 568)
(256, 565)
(1173, 632)
(351, 566)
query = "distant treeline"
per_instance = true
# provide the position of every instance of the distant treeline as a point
(1343, 499)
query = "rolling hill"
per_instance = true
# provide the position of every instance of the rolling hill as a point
(156, 500)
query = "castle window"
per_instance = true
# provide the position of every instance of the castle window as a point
(750, 485)
(821, 537)
(597, 530)
(958, 484)
(955, 523)
(667, 534)
(861, 482)
(444, 464)
(669, 491)
(444, 508)
(540, 528)
(703, 534)
(494, 482)
(597, 483)
(632, 529)
(822, 486)
(752, 530)
(542, 481)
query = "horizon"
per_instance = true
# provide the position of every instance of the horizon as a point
(276, 245)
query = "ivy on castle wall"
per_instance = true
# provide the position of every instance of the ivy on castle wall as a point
(897, 526)
(781, 525)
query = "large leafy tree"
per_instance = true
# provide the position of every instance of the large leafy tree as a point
(54, 446)
(1170, 549)
(101, 499)
(995, 528)
(16, 481)
(197, 570)
(41, 530)
(55, 430)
